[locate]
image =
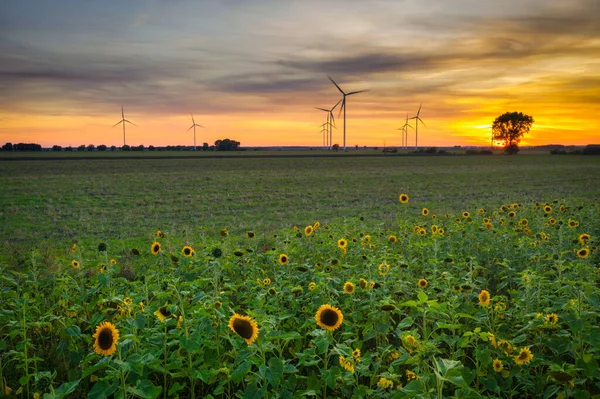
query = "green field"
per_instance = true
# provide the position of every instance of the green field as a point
(500, 301)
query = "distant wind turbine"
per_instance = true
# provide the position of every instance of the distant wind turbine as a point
(344, 94)
(324, 131)
(417, 119)
(330, 121)
(123, 120)
(404, 129)
(194, 124)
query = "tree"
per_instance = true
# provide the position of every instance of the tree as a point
(510, 128)
(227, 145)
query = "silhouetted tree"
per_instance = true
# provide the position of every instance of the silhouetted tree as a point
(113, 148)
(205, 147)
(81, 148)
(125, 148)
(7, 147)
(101, 147)
(227, 145)
(510, 128)
(91, 147)
(27, 147)
(56, 148)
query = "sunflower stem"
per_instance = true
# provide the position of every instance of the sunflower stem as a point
(122, 376)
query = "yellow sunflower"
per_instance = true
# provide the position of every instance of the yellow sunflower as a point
(512, 214)
(312, 285)
(466, 214)
(113, 262)
(75, 264)
(584, 238)
(106, 338)
(283, 259)
(403, 198)
(573, 223)
(159, 234)
(155, 248)
(422, 232)
(245, 327)
(349, 287)
(316, 225)
(266, 281)
(514, 206)
(523, 357)
(356, 354)
(434, 229)
(498, 366)
(362, 283)
(187, 251)
(162, 313)
(488, 225)
(411, 375)
(250, 234)
(551, 318)
(342, 243)
(329, 318)
(583, 253)
(308, 230)
(384, 383)
(424, 211)
(484, 298)
(392, 239)
(547, 209)
(423, 283)
(346, 364)
(223, 232)
(481, 211)
(523, 222)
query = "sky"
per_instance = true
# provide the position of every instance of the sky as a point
(254, 71)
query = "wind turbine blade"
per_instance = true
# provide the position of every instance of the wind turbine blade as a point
(199, 125)
(122, 112)
(193, 121)
(419, 109)
(117, 123)
(332, 118)
(129, 122)
(422, 121)
(356, 92)
(190, 128)
(322, 109)
(342, 106)
(336, 85)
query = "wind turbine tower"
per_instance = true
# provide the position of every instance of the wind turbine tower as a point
(417, 120)
(344, 94)
(330, 121)
(194, 124)
(123, 120)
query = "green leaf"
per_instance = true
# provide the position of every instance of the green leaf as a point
(285, 336)
(422, 296)
(145, 389)
(407, 322)
(322, 342)
(102, 390)
(331, 376)
(66, 388)
(73, 331)
(275, 371)
(240, 371)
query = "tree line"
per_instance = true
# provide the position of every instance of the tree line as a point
(219, 145)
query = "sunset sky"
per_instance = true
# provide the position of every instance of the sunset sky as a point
(253, 71)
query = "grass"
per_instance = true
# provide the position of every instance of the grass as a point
(47, 202)
(466, 306)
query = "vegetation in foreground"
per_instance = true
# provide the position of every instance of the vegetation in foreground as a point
(489, 302)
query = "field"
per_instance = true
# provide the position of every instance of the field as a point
(301, 276)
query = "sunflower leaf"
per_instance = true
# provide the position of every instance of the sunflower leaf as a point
(241, 370)
(145, 389)
(102, 390)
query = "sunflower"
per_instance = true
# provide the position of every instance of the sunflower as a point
(250, 234)
(523, 357)
(312, 285)
(422, 283)
(523, 222)
(384, 269)
(514, 206)
(308, 230)
(218, 304)
(102, 268)
(349, 287)
(506, 346)
(512, 214)
(316, 225)
(551, 318)
(484, 298)
(283, 259)
(573, 223)
(424, 211)
(488, 225)
(547, 209)
(583, 253)
(492, 339)
(356, 354)
(155, 248)
(162, 313)
(498, 366)
(159, 234)
(422, 232)
(272, 291)
(503, 208)
(342, 243)
(481, 211)
(392, 239)
(584, 238)
(245, 327)
(267, 281)
(329, 318)
(403, 198)
(75, 264)
(187, 251)
(411, 375)
(113, 262)
(127, 301)
(362, 283)
(434, 229)
(384, 383)
(346, 364)
(466, 214)
(74, 248)
(106, 338)
(223, 232)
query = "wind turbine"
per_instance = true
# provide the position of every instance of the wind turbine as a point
(404, 129)
(330, 120)
(194, 124)
(344, 94)
(417, 119)
(324, 131)
(123, 120)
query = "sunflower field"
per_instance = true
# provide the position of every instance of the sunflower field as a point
(498, 302)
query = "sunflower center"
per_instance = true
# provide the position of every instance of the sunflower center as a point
(164, 312)
(329, 317)
(243, 328)
(105, 339)
(523, 356)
